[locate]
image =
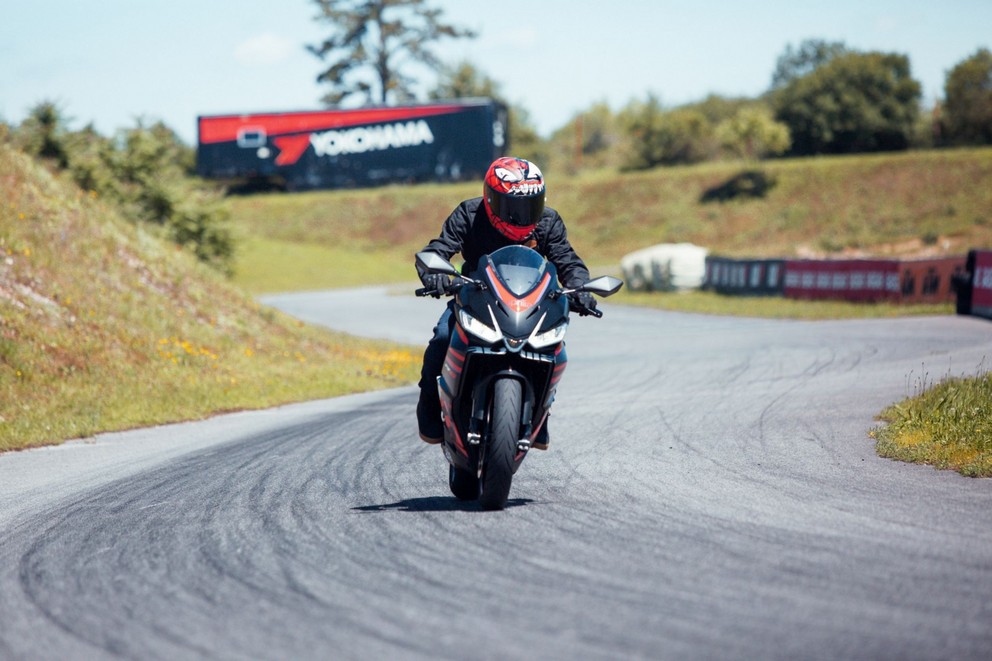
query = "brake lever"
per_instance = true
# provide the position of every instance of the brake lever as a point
(452, 288)
(585, 312)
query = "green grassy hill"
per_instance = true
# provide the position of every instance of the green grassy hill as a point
(906, 204)
(104, 326)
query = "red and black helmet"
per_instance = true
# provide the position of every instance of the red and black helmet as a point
(513, 193)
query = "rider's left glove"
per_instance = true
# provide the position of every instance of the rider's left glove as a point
(583, 302)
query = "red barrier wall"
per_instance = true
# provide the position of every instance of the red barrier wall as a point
(930, 280)
(852, 280)
(872, 280)
(981, 280)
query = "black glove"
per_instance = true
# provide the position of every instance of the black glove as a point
(583, 302)
(435, 284)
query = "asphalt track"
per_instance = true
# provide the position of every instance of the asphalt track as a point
(710, 493)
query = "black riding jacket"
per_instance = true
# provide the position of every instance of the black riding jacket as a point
(468, 231)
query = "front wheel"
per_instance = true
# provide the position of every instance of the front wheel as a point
(497, 469)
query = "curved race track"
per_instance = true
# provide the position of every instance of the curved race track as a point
(710, 492)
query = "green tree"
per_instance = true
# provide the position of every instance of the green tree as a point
(525, 141)
(591, 139)
(90, 155)
(798, 62)
(150, 181)
(967, 113)
(660, 137)
(857, 102)
(753, 133)
(465, 80)
(144, 171)
(371, 44)
(716, 108)
(927, 130)
(43, 133)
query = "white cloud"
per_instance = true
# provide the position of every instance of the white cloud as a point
(265, 49)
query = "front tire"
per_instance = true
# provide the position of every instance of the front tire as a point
(497, 470)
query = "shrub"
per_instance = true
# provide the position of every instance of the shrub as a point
(660, 137)
(145, 171)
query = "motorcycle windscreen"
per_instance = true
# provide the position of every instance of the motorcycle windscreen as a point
(520, 269)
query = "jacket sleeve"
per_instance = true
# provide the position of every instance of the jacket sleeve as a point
(572, 271)
(449, 243)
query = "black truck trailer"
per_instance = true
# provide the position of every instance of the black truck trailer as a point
(443, 141)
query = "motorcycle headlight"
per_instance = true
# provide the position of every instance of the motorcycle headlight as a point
(480, 330)
(548, 337)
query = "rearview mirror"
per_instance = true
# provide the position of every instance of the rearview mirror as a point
(605, 285)
(430, 262)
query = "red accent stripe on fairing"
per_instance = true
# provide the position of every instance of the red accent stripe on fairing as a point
(515, 303)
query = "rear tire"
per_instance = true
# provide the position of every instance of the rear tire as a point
(497, 470)
(463, 484)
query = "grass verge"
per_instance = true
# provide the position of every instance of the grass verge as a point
(266, 266)
(948, 425)
(104, 326)
(773, 307)
(886, 205)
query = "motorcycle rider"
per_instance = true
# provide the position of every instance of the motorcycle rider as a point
(511, 211)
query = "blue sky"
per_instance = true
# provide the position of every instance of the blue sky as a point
(112, 62)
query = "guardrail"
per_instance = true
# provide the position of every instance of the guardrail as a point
(764, 277)
(873, 280)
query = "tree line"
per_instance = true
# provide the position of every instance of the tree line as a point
(824, 98)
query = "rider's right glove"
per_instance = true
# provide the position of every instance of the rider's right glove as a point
(435, 284)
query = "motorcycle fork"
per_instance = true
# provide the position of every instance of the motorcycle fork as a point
(478, 426)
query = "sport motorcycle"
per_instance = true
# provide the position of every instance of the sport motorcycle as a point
(504, 361)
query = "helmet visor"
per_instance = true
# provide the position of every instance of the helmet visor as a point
(521, 211)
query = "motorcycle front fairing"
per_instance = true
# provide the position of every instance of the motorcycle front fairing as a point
(512, 324)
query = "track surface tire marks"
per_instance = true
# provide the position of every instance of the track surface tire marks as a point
(710, 492)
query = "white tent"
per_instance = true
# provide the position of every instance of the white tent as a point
(665, 267)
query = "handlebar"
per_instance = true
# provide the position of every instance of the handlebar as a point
(449, 289)
(579, 309)
(590, 313)
(455, 286)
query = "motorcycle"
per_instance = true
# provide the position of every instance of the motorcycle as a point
(503, 364)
